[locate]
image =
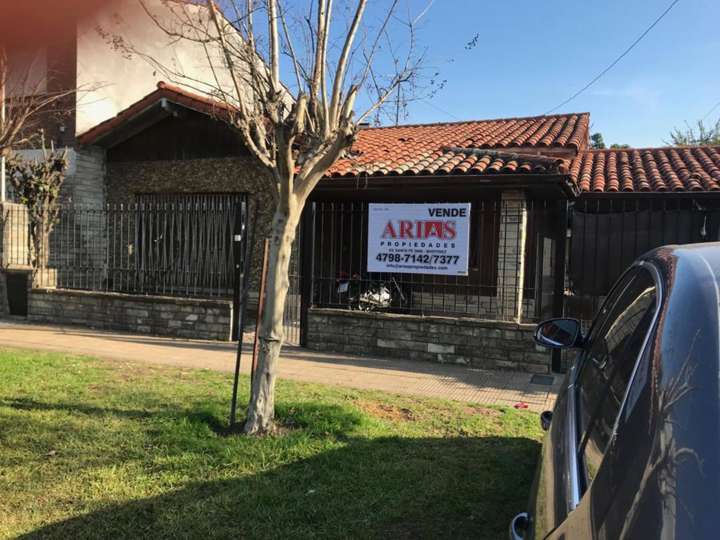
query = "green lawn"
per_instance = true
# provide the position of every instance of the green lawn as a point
(98, 449)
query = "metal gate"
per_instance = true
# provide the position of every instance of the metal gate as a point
(609, 233)
(292, 316)
(186, 243)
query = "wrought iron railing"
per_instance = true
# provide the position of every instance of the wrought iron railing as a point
(493, 288)
(180, 245)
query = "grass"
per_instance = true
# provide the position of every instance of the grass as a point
(94, 449)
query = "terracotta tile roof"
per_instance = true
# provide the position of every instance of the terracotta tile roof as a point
(171, 92)
(422, 149)
(668, 169)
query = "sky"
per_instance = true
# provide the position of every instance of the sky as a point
(533, 54)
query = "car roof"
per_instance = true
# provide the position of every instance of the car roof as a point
(702, 260)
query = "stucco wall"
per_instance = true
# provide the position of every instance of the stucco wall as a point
(245, 175)
(114, 48)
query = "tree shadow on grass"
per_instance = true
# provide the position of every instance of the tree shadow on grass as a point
(355, 487)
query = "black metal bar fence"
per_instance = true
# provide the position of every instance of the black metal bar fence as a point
(511, 268)
(15, 240)
(170, 245)
(609, 233)
(519, 256)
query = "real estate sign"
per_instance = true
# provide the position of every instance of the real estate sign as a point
(429, 238)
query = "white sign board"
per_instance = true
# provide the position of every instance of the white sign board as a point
(419, 238)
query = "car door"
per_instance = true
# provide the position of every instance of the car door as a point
(560, 480)
(599, 391)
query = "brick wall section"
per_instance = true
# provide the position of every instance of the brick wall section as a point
(84, 183)
(470, 342)
(86, 186)
(163, 316)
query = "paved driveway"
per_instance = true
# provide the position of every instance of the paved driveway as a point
(390, 375)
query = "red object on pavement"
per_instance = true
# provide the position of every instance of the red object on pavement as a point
(521, 405)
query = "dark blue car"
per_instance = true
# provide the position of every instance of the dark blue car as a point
(632, 448)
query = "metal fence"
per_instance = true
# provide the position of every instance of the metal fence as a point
(174, 245)
(15, 241)
(493, 288)
(292, 315)
(608, 234)
(182, 245)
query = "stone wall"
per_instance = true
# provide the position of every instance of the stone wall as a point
(158, 315)
(124, 180)
(464, 341)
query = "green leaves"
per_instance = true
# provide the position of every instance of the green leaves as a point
(37, 183)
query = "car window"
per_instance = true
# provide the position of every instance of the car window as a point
(608, 365)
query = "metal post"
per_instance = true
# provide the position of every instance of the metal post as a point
(261, 299)
(3, 188)
(560, 271)
(307, 268)
(243, 288)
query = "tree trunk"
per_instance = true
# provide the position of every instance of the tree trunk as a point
(261, 409)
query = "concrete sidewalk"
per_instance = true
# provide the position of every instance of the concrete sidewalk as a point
(390, 375)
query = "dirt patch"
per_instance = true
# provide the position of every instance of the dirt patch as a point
(482, 411)
(130, 371)
(386, 411)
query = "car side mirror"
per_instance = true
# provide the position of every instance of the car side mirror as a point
(559, 333)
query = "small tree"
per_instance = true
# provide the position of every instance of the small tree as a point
(37, 183)
(296, 130)
(597, 142)
(697, 135)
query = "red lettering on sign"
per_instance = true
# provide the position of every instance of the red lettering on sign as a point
(406, 229)
(433, 229)
(389, 231)
(420, 230)
(450, 230)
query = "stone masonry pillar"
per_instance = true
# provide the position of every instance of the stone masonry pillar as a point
(511, 255)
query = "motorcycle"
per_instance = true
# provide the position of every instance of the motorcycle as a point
(376, 296)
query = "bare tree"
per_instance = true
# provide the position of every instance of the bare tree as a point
(25, 103)
(298, 128)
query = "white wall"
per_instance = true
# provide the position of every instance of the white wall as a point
(127, 77)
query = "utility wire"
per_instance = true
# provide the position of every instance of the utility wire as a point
(448, 113)
(712, 110)
(612, 65)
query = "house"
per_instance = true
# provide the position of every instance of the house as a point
(180, 205)
(112, 53)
